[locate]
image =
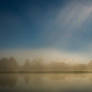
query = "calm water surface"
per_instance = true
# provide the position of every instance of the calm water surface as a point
(45, 82)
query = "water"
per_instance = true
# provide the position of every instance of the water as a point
(45, 82)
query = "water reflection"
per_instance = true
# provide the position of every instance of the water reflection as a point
(46, 82)
(8, 80)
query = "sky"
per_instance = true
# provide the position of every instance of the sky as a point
(62, 27)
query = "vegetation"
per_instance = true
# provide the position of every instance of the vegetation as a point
(37, 65)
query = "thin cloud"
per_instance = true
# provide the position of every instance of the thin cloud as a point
(70, 19)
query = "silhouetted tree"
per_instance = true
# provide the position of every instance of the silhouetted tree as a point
(27, 65)
(37, 63)
(8, 65)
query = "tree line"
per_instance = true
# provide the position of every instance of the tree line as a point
(37, 65)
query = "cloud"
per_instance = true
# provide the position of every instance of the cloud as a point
(61, 25)
(73, 16)
(70, 20)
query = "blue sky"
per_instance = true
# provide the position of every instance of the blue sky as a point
(65, 25)
(23, 23)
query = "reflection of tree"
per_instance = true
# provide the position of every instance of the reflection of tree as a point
(33, 79)
(8, 80)
(60, 77)
(27, 78)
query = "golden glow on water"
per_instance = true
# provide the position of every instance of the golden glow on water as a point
(46, 82)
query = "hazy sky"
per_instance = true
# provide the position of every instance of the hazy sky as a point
(63, 25)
